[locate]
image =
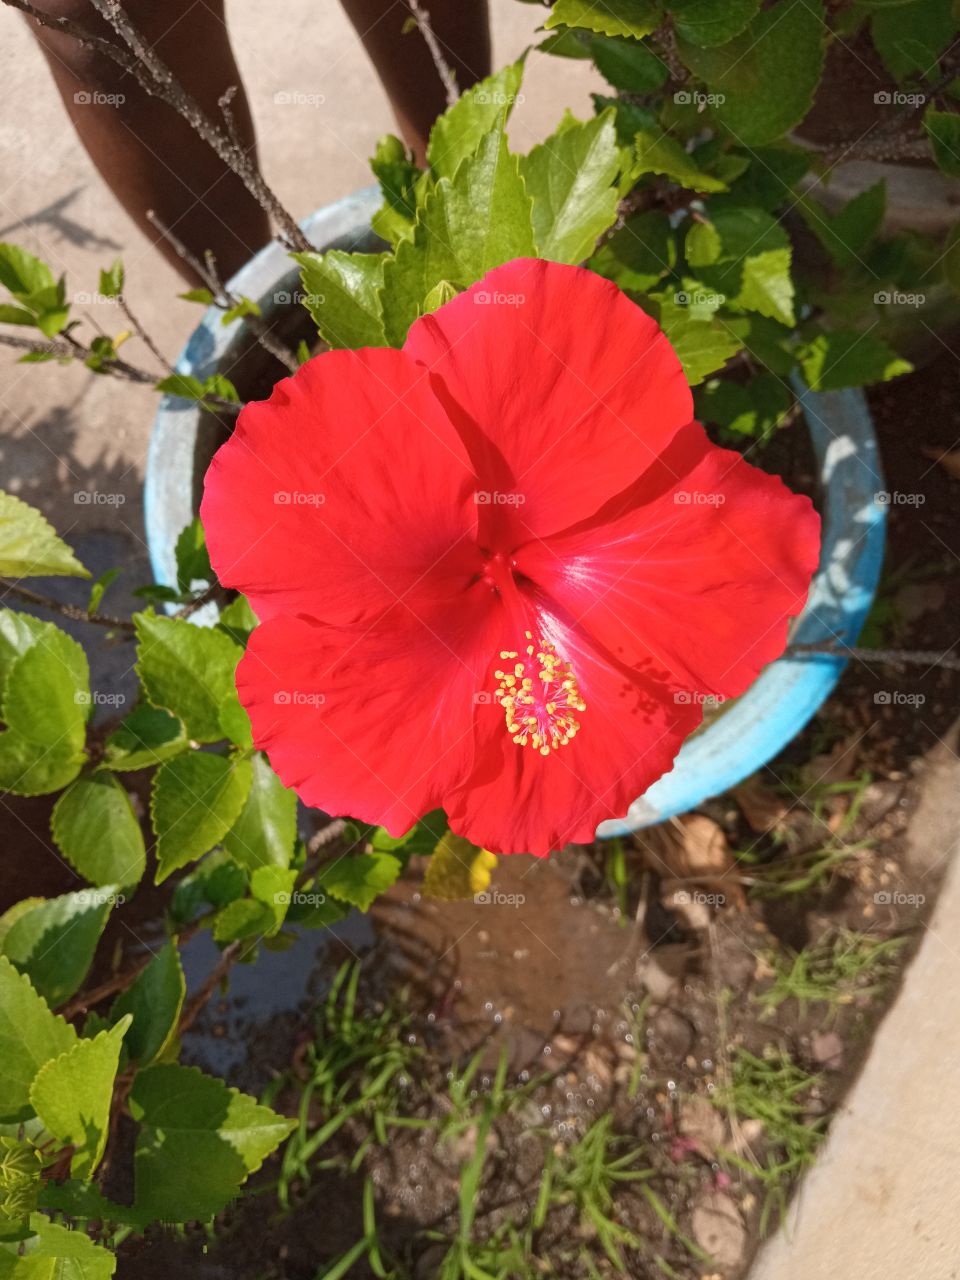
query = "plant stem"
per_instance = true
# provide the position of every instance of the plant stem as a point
(444, 70)
(72, 611)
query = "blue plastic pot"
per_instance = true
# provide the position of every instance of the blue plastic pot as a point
(787, 693)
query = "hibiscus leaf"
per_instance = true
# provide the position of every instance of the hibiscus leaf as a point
(262, 914)
(767, 75)
(265, 831)
(467, 226)
(72, 1095)
(195, 801)
(22, 273)
(944, 130)
(186, 670)
(29, 546)
(341, 292)
(635, 18)
(702, 345)
(848, 234)
(359, 878)
(840, 359)
(53, 1252)
(53, 942)
(198, 1142)
(767, 286)
(629, 65)
(457, 134)
(570, 179)
(30, 1035)
(659, 153)
(154, 1001)
(147, 736)
(640, 254)
(711, 22)
(94, 826)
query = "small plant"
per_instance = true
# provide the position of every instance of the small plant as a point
(844, 967)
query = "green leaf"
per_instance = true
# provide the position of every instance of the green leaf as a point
(216, 881)
(768, 74)
(840, 359)
(439, 296)
(29, 546)
(848, 234)
(635, 18)
(186, 670)
(711, 22)
(912, 37)
(54, 1252)
(22, 273)
(770, 177)
(570, 179)
(466, 227)
(99, 589)
(745, 234)
(767, 285)
(111, 280)
(193, 562)
(245, 307)
(265, 831)
(262, 914)
(458, 133)
(154, 1001)
(235, 722)
(45, 700)
(754, 410)
(659, 153)
(198, 1142)
(702, 346)
(147, 736)
(951, 258)
(359, 878)
(72, 1094)
(203, 296)
(18, 632)
(238, 620)
(629, 65)
(702, 245)
(17, 315)
(457, 869)
(640, 254)
(196, 799)
(54, 943)
(95, 828)
(30, 1035)
(341, 292)
(944, 130)
(31, 769)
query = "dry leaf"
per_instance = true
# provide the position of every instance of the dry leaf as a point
(762, 807)
(693, 849)
(949, 459)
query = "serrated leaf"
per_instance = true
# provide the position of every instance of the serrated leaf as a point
(265, 831)
(635, 18)
(702, 346)
(744, 234)
(18, 632)
(844, 359)
(754, 410)
(32, 769)
(22, 273)
(439, 296)
(54, 943)
(848, 234)
(640, 254)
(359, 878)
(94, 826)
(186, 670)
(29, 546)
(767, 286)
(238, 620)
(30, 1035)
(457, 869)
(72, 1094)
(193, 561)
(951, 258)
(711, 22)
(457, 134)
(768, 74)
(198, 1142)
(47, 692)
(944, 130)
(569, 178)
(195, 801)
(659, 153)
(216, 881)
(262, 914)
(465, 227)
(629, 65)
(147, 736)
(111, 279)
(912, 37)
(54, 1252)
(203, 296)
(153, 1001)
(702, 245)
(341, 292)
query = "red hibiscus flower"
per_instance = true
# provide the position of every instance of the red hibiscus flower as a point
(497, 570)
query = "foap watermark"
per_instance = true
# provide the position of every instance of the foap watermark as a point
(494, 898)
(497, 98)
(687, 698)
(297, 898)
(297, 498)
(85, 299)
(297, 98)
(299, 698)
(482, 698)
(896, 298)
(894, 898)
(895, 698)
(97, 699)
(498, 498)
(685, 897)
(94, 498)
(494, 298)
(94, 98)
(897, 98)
(698, 498)
(699, 298)
(896, 498)
(285, 297)
(696, 98)
(98, 898)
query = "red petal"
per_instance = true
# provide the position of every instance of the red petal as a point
(372, 723)
(562, 387)
(344, 491)
(518, 801)
(701, 573)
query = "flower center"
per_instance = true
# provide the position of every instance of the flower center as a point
(539, 695)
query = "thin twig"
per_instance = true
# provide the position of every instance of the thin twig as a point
(72, 611)
(883, 657)
(444, 70)
(213, 980)
(142, 334)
